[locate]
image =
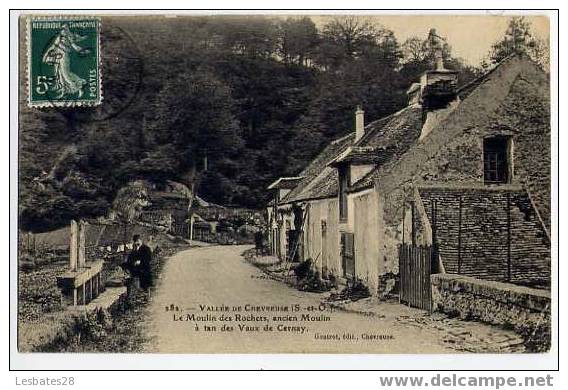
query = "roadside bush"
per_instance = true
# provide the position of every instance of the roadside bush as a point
(93, 326)
(309, 279)
(302, 270)
(38, 293)
(353, 291)
(536, 335)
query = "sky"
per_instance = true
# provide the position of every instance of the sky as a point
(469, 36)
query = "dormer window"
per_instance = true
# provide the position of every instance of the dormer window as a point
(497, 160)
(343, 171)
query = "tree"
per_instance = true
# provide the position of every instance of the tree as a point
(194, 115)
(257, 97)
(248, 36)
(519, 39)
(346, 38)
(297, 40)
(417, 50)
(359, 64)
(418, 56)
(130, 201)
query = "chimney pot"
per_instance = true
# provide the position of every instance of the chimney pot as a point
(359, 123)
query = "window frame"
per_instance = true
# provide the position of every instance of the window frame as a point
(497, 160)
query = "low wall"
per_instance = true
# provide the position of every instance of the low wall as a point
(526, 310)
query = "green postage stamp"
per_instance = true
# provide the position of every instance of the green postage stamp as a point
(64, 61)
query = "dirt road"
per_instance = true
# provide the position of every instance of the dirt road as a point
(218, 277)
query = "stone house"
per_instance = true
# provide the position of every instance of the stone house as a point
(467, 169)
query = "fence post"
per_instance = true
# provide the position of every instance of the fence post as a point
(412, 273)
(434, 256)
(81, 262)
(33, 238)
(413, 226)
(429, 284)
(73, 246)
(403, 218)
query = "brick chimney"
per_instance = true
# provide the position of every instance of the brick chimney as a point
(359, 123)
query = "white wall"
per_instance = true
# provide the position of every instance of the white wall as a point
(366, 228)
(323, 252)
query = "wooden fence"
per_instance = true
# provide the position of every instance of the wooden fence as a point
(415, 267)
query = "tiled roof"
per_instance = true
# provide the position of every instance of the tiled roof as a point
(483, 226)
(398, 133)
(319, 180)
(385, 140)
(394, 130)
(390, 137)
(464, 91)
(358, 155)
(325, 185)
(285, 183)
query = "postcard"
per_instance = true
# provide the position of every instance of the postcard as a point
(306, 183)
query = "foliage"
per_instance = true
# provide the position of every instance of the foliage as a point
(419, 54)
(297, 40)
(536, 334)
(354, 291)
(309, 279)
(519, 39)
(303, 269)
(130, 200)
(251, 98)
(38, 293)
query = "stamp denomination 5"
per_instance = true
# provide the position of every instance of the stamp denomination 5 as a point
(64, 61)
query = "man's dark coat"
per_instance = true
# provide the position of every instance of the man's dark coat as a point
(144, 269)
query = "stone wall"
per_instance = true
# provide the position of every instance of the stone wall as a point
(523, 309)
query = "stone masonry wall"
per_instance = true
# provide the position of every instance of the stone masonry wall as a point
(523, 309)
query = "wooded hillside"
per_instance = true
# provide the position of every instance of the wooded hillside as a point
(257, 97)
